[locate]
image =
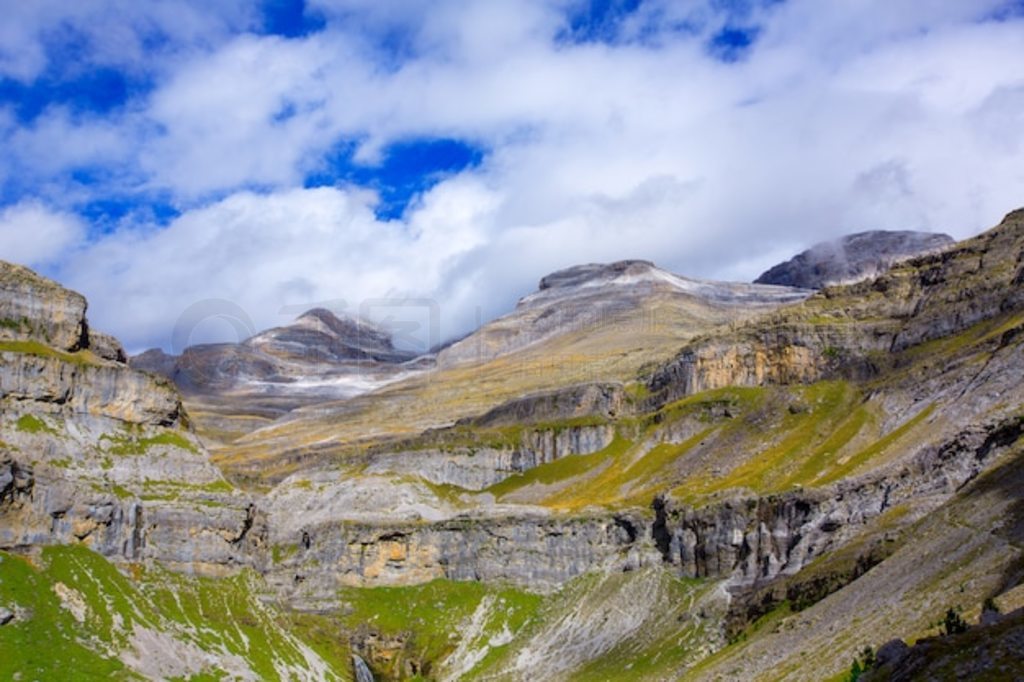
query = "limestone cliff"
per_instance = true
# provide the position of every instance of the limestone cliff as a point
(848, 331)
(94, 452)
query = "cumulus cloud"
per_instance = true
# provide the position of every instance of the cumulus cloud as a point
(33, 235)
(632, 140)
(273, 256)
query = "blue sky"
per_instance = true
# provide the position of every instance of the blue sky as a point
(158, 154)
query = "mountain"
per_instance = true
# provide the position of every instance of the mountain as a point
(760, 486)
(232, 388)
(317, 347)
(851, 258)
(598, 322)
(593, 295)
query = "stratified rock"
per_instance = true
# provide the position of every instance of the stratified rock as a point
(847, 331)
(851, 258)
(38, 309)
(94, 452)
(107, 347)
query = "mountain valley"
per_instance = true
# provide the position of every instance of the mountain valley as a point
(632, 475)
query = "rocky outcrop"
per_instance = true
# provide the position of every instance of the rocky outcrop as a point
(94, 452)
(771, 355)
(585, 400)
(107, 347)
(36, 309)
(110, 390)
(753, 540)
(538, 553)
(847, 331)
(39, 309)
(478, 467)
(850, 258)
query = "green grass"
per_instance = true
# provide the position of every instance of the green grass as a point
(219, 616)
(51, 644)
(28, 423)
(432, 615)
(133, 444)
(38, 349)
(562, 469)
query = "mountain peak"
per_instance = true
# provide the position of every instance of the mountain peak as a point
(580, 274)
(852, 257)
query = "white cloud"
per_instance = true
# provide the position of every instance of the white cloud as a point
(122, 33)
(265, 253)
(844, 117)
(33, 235)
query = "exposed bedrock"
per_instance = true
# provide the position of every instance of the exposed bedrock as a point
(536, 552)
(847, 331)
(583, 400)
(756, 539)
(107, 389)
(476, 468)
(746, 541)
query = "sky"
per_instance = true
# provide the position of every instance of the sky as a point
(204, 170)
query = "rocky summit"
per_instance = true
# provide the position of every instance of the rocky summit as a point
(852, 258)
(633, 475)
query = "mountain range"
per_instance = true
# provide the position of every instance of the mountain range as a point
(632, 475)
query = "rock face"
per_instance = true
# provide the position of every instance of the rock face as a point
(33, 307)
(848, 332)
(753, 540)
(579, 298)
(475, 467)
(538, 553)
(38, 310)
(585, 400)
(94, 452)
(851, 258)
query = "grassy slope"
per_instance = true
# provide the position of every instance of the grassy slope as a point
(615, 350)
(970, 549)
(221, 617)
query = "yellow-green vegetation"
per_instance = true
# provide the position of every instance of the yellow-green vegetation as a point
(29, 423)
(134, 442)
(169, 490)
(614, 350)
(828, 432)
(761, 439)
(433, 616)
(631, 471)
(563, 469)
(82, 357)
(75, 613)
(971, 338)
